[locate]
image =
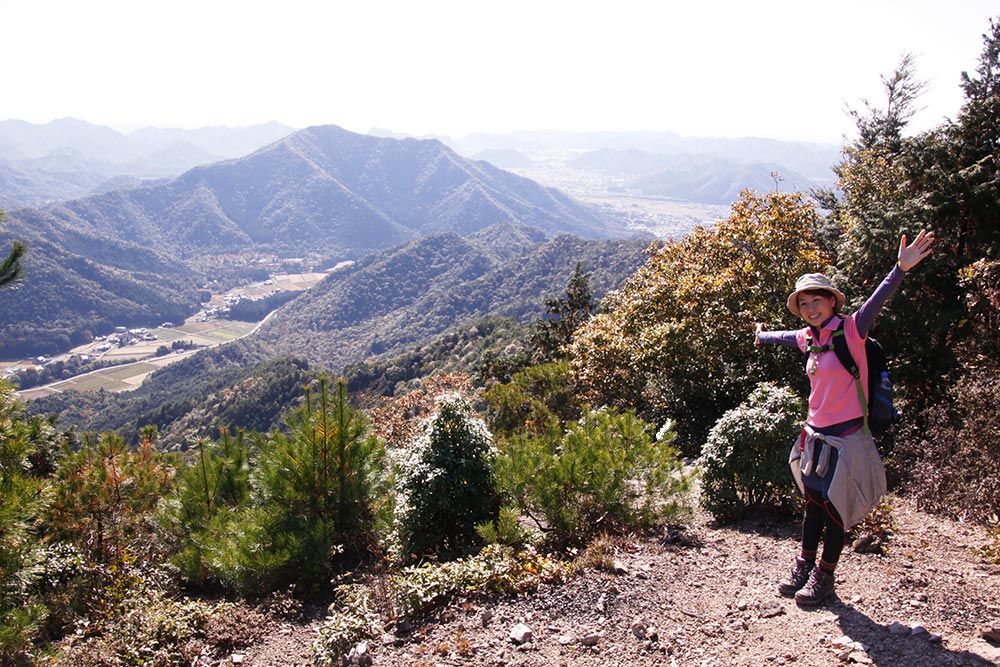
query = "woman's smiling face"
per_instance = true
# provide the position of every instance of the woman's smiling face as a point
(816, 307)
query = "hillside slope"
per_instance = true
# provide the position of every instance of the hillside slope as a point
(395, 299)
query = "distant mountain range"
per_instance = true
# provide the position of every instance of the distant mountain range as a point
(322, 193)
(69, 158)
(813, 160)
(702, 178)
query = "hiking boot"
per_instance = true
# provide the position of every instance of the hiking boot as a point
(798, 578)
(818, 588)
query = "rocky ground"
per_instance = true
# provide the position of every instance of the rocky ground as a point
(705, 596)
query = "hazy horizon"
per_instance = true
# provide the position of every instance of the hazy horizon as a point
(783, 70)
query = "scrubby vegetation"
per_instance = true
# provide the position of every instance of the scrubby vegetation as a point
(566, 430)
(745, 458)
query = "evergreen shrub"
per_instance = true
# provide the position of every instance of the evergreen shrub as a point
(446, 483)
(744, 462)
(318, 481)
(606, 473)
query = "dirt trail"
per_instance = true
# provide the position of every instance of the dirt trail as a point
(706, 596)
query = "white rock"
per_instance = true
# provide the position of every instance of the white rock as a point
(772, 611)
(860, 658)
(359, 655)
(988, 652)
(520, 634)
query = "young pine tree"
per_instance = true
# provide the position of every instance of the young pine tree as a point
(318, 482)
(23, 500)
(210, 490)
(563, 315)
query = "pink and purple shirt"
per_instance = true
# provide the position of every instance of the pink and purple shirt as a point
(833, 396)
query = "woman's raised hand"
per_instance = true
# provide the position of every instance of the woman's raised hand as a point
(911, 255)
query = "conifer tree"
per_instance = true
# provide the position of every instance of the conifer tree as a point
(10, 268)
(563, 315)
(24, 497)
(104, 494)
(210, 490)
(318, 482)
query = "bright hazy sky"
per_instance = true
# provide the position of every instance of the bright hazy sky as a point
(785, 69)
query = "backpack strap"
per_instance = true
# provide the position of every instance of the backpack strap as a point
(839, 344)
(818, 348)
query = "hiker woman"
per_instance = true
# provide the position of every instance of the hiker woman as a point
(835, 455)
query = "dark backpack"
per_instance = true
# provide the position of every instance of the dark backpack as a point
(879, 410)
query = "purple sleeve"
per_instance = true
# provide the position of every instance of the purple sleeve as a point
(786, 338)
(866, 315)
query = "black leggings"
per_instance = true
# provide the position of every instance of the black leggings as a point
(821, 514)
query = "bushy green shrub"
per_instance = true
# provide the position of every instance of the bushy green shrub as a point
(536, 398)
(238, 549)
(744, 462)
(446, 483)
(209, 490)
(606, 473)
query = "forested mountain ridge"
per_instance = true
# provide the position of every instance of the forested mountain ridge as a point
(78, 284)
(437, 302)
(328, 193)
(398, 298)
